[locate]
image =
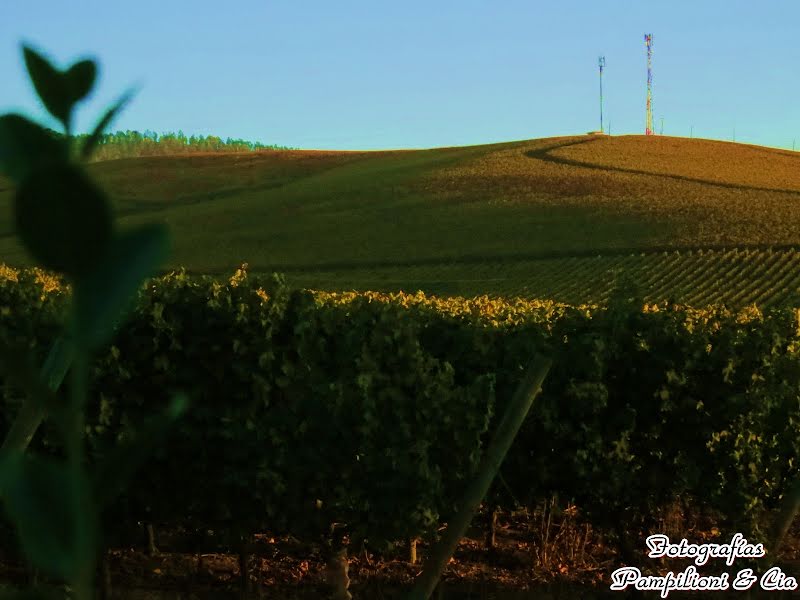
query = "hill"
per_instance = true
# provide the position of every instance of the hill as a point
(557, 217)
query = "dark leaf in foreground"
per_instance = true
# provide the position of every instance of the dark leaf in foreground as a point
(49, 509)
(103, 295)
(63, 219)
(49, 84)
(80, 79)
(26, 146)
(59, 91)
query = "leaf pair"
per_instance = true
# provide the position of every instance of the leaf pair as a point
(26, 146)
(60, 90)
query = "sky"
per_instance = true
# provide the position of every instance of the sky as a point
(374, 74)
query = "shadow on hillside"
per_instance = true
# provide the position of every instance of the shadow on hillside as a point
(543, 154)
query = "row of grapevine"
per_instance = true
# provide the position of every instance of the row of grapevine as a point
(735, 277)
(372, 410)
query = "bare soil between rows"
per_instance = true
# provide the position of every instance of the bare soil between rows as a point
(536, 555)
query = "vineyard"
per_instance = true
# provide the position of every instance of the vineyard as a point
(560, 217)
(735, 277)
(522, 359)
(662, 281)
(396, 396)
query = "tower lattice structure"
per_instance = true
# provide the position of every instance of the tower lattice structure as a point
(648, 40)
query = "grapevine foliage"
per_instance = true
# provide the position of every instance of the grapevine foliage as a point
(372, 410)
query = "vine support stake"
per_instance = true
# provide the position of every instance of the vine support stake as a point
(498, 448)
(32, 413)
(788, 511)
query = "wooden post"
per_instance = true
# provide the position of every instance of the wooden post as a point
(337, 575)
(412, 551)
(503, 438)
(150, 534)
(491, 534)
(244, 567)
(105, 576)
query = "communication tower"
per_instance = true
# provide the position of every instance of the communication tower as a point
(648, 40)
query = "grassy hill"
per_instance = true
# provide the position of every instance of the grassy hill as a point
(558, 217)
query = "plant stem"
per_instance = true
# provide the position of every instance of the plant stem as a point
(75, 455)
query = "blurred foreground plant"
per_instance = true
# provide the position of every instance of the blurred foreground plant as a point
(64, 221)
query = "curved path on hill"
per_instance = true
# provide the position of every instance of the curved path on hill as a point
(545, 155)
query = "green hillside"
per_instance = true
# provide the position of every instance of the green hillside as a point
(558, 217)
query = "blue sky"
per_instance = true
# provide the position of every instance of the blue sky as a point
(373, 74)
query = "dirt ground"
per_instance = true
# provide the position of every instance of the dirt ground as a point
(541, 555)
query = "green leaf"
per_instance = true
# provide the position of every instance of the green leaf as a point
(80, 79)
(105, 294)
(50, 512)
(59, 91)
(26, 146)
(103, 123)
(63, 219)
(117, 469)
(49, 84)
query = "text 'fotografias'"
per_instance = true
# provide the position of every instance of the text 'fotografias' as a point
(739, 547)
(774, 579)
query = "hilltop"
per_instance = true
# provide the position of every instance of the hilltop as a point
(454, 220)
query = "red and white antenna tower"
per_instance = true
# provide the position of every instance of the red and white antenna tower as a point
(648, 40)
